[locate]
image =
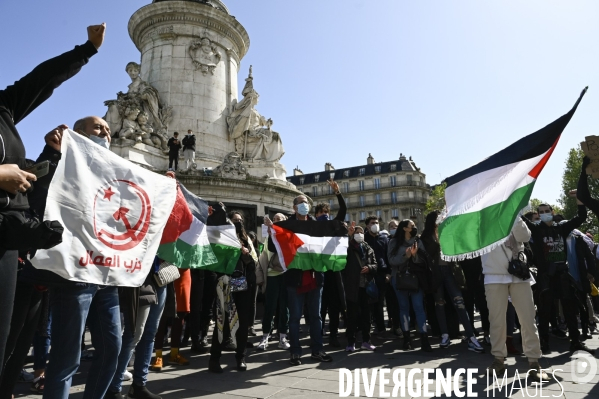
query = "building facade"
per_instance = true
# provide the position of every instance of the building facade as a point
(390, 190)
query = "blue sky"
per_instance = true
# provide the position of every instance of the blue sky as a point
(448, 83)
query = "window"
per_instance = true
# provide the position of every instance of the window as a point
(331, 204)
(411, 194)
(301, 180)
(330, 190)
(394, 197)
(377, 169)
(409, 177)
(315, 191)
(394, 213)
(377, 199)
(377, 183)
(332, 175)
(378, 213)
(392, 181)
(362, 172)
(362, 215)
(361, 200)
(393, 167)
(347, 217)
(361, 184)
(346, 173)
(316, 178)
(346, 187)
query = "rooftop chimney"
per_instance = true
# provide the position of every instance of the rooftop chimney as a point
(328, 166)
(370, 159)
(297, 171)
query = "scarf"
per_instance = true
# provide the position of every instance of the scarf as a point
(225, 304)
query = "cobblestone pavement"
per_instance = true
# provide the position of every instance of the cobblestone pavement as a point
(270, 375)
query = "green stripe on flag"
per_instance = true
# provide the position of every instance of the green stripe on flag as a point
(196, 256)
(318, 262)
(471, 232)
(226, 259)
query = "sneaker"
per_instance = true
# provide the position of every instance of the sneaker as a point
(368, 346)
(283, 343)
(252, 332)
(37, 385)
(536, 372)
(557, 333)
(295, 360)
(321, 357)
(398, 333)
(178, 360)
(263, 345)
(204, 341)
(487, 340)
(350, 348)
(157, 364)
(474, 345)
(26, 376)
(445, 341)
(498, 366)
(579, 346)
(127, 376)
(230, 346)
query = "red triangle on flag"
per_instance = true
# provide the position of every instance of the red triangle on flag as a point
(288, 243)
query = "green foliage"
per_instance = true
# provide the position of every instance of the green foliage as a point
(535, 202)
(436, 199)
(570, 182)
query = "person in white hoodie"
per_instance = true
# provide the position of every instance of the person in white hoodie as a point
(499, 284)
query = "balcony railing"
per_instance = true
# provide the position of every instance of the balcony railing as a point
(367, 187)
(382, 202)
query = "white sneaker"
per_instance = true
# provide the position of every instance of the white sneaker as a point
(263, 343)
(127, 376)
(445, 341)
(283, 343)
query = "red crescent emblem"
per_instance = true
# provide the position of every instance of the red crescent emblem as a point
(121, 219)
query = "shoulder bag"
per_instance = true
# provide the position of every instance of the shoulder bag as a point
(167, 273)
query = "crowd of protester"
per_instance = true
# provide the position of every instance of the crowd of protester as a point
(390, 268)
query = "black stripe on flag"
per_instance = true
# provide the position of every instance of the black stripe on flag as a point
(527, 147)
(312, 228)
(197, 206)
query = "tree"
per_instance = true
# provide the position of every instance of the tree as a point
(535, 202)
(436, 200)
(570, 182)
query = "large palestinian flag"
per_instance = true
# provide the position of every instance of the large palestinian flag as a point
(185, 240)
(311, 245)
(484, 200)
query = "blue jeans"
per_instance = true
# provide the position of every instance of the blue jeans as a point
(144, 345)
(296, 307)
(70, 308)
(41, 346)
(403, 297)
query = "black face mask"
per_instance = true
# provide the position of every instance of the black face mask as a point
(238, 226)
(414, 231)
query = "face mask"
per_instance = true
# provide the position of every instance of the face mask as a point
(323, 218)
(414, 231)
(374, 229)
(537, 222)
(303, 209)
(546, 217)
(100, 141)
(237, 226)
(392, 232)
(359, 237)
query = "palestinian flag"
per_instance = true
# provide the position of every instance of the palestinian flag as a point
(484, 200)
(185, 240)
(311, 245)
(226, 247)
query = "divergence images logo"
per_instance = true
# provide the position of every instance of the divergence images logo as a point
(583, 367)
(122, 213)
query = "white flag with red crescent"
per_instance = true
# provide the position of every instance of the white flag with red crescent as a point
(113, 213)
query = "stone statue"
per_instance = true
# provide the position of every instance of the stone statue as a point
(205, 55)
(149, 124)
(232, 166)
(254, 138)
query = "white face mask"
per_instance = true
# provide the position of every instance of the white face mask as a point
(100, 141)
(546, 217)
(374, 228)
(359, 237)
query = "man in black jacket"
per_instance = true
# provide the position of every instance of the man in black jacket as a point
(174, 145)
(550, 252)
(16, 102)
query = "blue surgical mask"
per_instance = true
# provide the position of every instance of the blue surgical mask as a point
(303, 208)
(100, 141)
(392, 232)
(546, 217)
(323, 218)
